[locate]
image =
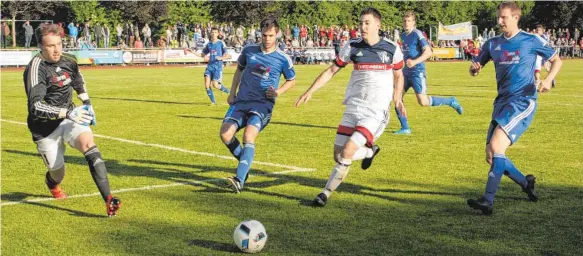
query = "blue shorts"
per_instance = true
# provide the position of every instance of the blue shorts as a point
(240, 113)
(514, 116)
(417, 81)
(214, 73)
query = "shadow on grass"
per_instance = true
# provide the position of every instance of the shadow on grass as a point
(20, 196)
(272, 122)
(152, 101)
(214, 245)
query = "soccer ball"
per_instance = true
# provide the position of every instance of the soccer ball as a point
(250, 236)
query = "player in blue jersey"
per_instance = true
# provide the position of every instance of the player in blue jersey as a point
(253, 92)
(514, 54)
(415, 51)
(213, 75)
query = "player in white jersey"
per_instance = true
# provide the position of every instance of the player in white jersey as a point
(539, 60)
(377, 64)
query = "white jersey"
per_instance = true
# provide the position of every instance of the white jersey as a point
(371, 82)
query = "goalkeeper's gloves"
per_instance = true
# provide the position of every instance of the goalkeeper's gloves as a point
(87, 102)
(81, 115)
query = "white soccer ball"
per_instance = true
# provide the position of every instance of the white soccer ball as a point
(250, 236)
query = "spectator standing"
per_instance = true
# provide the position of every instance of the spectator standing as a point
(146, 32)
(119, 33)
(28, 32)
(4, 32)
(87, 31)
(98, 33)
(73, 33)
(303, 35)
(296, 32)
(106, 35)
(491, 33)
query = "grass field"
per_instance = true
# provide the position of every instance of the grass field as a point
(160, 141)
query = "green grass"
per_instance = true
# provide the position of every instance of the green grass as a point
(410, 202)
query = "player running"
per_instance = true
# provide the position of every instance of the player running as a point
(53, 119)
(514, 54)
(377, 69)
(416, 50)
(259, 69)
(539, 60)
(213, 74)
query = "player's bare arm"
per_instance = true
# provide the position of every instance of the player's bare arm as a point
(399, 87)
(546, 84)
(235, 85)
(272, 92)
(427, 52)
(322, 79)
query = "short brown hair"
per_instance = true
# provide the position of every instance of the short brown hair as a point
(514, 8)
(44, 30)
(410, 14)
(269, 22)
(539, 26)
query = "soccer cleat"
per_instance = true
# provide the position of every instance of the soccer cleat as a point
(456, 105)
(529, 190)
(234, 184)
(367, 162)
(320, 200)
(403, 131)
(58, 192)
(112, 206)
(482, 205)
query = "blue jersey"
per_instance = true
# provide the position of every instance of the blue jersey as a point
(514, 60)
(216, 49)
(262, 71)
(413, 45)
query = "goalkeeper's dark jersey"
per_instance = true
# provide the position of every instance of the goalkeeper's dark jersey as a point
(49, 88)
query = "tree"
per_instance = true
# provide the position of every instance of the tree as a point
(27, 10)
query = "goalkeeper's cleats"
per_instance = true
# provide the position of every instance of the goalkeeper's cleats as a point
(58, 192)
(112, 206)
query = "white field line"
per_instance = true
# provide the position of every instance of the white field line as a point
(123, 190)
(290, 168)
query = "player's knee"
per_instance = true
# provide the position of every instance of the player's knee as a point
(423, 100)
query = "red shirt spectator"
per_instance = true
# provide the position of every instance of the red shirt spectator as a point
(303, 31)
(470, 47)
(352, 33)
(330, 33)
(322, 32)
(581, 43)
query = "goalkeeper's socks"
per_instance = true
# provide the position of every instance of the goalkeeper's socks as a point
(98, 171)
(211, 95)
(245, 162)
(224, 89)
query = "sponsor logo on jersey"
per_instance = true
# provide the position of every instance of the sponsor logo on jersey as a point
(61, 80)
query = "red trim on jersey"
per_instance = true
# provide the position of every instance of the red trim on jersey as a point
(373, 66)
(398, 65)
(367, 135)
(537, 71)
(340, 63)
(345, 130)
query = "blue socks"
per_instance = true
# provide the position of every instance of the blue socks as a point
(494, 176)
(514, 174)
(211, 95)
(402, 119)
(439, 101)
(245, 162)
(223, 88)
